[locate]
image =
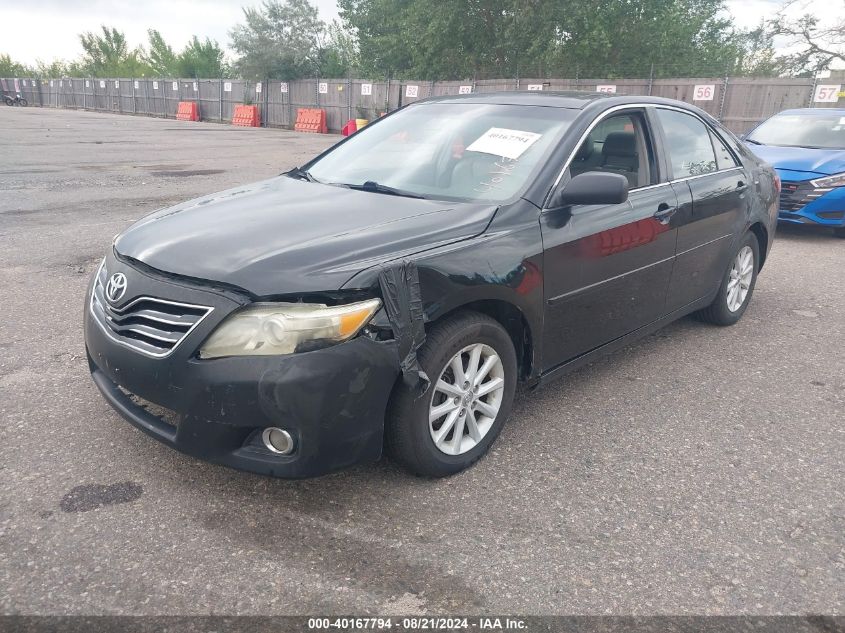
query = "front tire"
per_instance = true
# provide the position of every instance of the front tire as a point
(737, 286)
(471, 363)
(23, 102)
(839, 232)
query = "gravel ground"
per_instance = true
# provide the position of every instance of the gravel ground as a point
(699, 471)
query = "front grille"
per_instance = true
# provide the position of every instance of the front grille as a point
(149, 325)
(796, 195)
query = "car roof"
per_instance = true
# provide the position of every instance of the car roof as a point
(812, 111)
(571, 99)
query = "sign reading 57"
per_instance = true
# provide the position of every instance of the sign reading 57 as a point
(827, 94)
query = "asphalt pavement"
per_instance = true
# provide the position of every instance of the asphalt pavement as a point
(699, 471)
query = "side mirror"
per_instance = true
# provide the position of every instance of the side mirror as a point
(593, 187)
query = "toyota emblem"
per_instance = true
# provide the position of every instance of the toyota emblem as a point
(116, 287)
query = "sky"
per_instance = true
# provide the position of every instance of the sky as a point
(49, 29)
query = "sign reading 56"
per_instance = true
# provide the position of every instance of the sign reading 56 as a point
(704, 92)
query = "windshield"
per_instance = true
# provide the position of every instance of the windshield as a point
(449, 151)
(823, 131)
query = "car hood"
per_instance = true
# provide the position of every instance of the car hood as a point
(283, 236)
(815, 161)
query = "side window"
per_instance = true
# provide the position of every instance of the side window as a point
(687, 143)
(616, 145)
(724, 159)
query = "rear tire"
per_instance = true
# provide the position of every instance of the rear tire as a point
(737, 285)
(458, 417)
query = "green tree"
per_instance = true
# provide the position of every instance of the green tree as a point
(58, 68)
(201, 59)
(279, 39)
(107, 54)
(624, 38)
(160, 58)
(11, 68)
(338, 55)
(758, 58)
(612, 38)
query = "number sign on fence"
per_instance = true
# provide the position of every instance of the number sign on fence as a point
(703, 92)
(827, 94)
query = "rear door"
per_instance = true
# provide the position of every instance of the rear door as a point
(713, 191)
(607, 267)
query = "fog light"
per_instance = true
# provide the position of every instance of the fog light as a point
(277, 440)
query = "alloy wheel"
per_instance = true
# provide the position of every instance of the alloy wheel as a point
(741, 275)
(466, 399)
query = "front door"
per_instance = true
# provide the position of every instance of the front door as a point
(607, 267)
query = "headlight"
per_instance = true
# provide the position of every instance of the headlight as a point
(836, 180)
(265, 329)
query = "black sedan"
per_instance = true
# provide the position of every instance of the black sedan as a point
(393, 291)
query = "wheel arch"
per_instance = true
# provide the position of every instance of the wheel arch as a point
(762, 235)
(513, 320)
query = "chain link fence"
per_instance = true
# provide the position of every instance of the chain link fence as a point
(738, 102)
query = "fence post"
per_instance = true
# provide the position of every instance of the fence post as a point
(387, 98)
(723, 99)
(134, 105)
(349, 94)
(812, 91)
(317, 90)
(650, 79)
(265, 87)
(220, 91)
(431, 89)
(291, 120)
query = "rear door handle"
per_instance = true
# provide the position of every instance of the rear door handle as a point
(741, 186)
(664, 213)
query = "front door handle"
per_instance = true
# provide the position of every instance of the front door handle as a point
(741, 186)
(664, 213)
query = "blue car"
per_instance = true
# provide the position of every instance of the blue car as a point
(807, 148)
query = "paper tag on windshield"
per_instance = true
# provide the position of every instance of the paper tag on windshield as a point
(503, 142)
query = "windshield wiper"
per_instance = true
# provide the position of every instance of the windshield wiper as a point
(751, 140)
(301, 174)
(374, 187)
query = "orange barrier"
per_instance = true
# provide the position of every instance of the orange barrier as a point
(246, 116)
(350, 128)
(188, 111)
(311, 120)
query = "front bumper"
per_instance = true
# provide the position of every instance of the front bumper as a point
(801, 203)
(332, 401)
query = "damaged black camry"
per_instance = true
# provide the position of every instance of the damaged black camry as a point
(393, 291)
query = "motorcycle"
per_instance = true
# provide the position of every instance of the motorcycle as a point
(17, 100)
